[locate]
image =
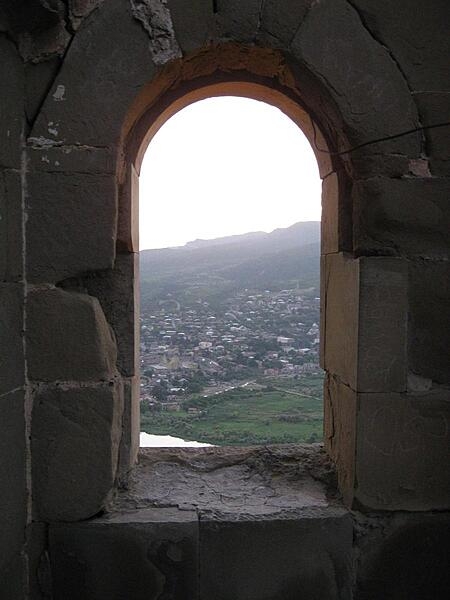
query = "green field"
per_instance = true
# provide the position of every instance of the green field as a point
(293, 412)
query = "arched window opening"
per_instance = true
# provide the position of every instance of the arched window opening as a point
(229, 272)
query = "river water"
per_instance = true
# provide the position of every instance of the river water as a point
(149, 440)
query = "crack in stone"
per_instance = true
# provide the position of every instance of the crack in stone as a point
(260, 16)
(392, 57)
(380, 140)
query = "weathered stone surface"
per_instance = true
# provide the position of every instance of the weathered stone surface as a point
(39, 572)
(402, 216)
(376, 161)
(75, 440)
(339, 322)
(192, 22)
(68, 337)
(307, 559)
(13, 579)
(80, 9)
(388, 448)
(38, 28)
(382, 324)
(71, 226)
(429, 319)
(12, 112)
(434, 109)
(239, 21)
(330, 215)
(410, 33)
(143, 555)
(402, 440)
(13, 498)
(372, 95)
(237, 483)
(83, 99)
(118, 292)
(156, 19)
(404, 558)
(11, 260)
(340, 419)
(128, 221)
(131, 421)
(281, 19)
(72, 159)
(38, 78)
(11, 327)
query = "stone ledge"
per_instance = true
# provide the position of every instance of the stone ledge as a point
(252, 523)
(234, 483)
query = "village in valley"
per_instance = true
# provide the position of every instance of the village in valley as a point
(230, 339)
(259, 346)
(195, 349)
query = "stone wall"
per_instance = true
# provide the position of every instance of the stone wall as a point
(85, 83)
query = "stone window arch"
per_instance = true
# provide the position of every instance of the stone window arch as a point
(83, 158)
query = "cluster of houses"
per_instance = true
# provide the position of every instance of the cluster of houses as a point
(186, 349)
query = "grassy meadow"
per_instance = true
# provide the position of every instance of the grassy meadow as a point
(273, 411)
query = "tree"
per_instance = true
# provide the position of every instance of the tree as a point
(159, 392)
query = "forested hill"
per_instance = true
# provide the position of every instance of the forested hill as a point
(212, 269)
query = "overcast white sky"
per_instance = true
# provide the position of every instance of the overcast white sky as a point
(224, 166)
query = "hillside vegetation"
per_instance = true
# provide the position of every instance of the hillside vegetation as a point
(212, 269)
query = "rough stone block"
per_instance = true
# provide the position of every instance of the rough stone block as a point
(372, 95)
(434, 108)
(281, 19)
(80, 9)
(409, 216)
(238, 21)
(75, 439)
(38, 562)
(389, 448)
(11, 346)
(364, 306)
(11, 263)
(429, 320)
(330, 215)
(118, 292)
(88, 113)
(71, 226)
(72, 159)
(68, 338)
(249, 483)
(128, 225)
(146, 555)
(382, 325)
(12, 113)
(38, 78)
(192, 22)
(339, 323)
(404, 558)
(13, 579)
(340, 420)
(403, 441)
(305, 558)
(376, 161)
(410, 33)
(129, 443)
(13, 498)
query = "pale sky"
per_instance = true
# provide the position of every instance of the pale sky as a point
(224, 166)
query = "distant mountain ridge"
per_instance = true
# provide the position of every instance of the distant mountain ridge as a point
(229, 239)
(285, 257)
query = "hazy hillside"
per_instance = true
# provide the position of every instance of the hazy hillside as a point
(283, 238)
(212, 268)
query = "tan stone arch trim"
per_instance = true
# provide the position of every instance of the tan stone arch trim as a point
(227, 69)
